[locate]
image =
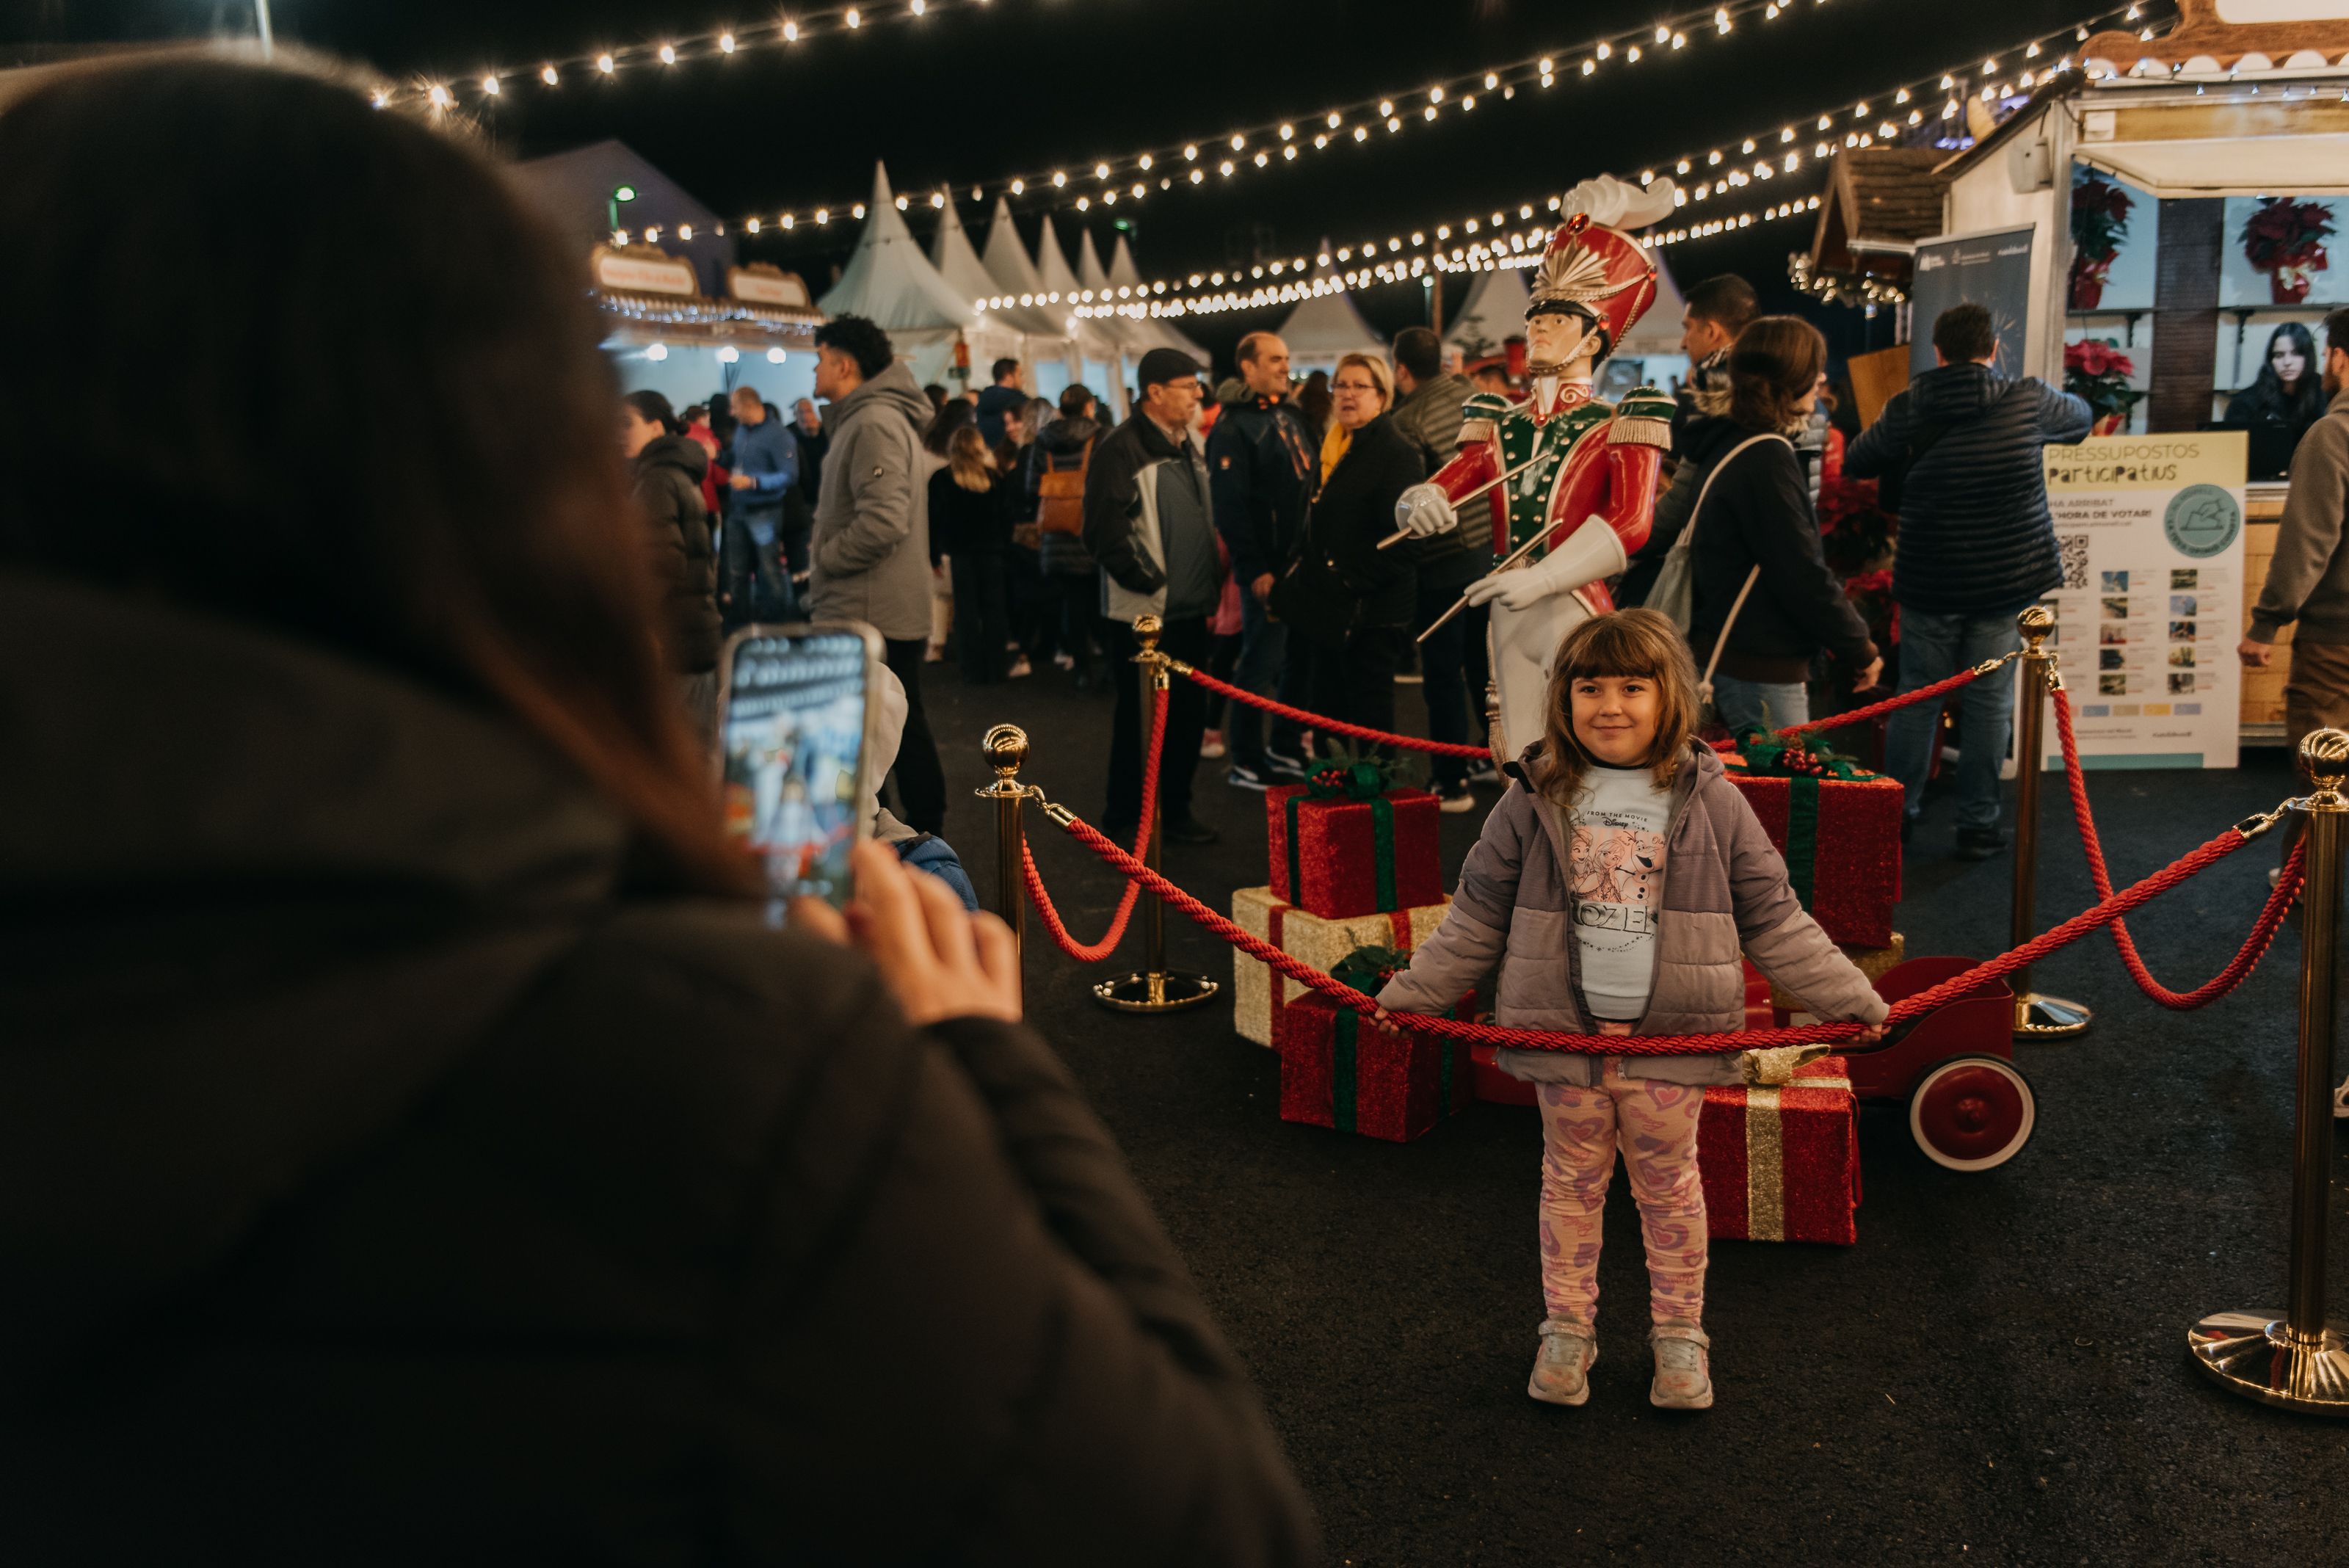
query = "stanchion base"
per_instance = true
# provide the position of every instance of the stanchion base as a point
(1166, 992)
(2038, 1017)
(2252, 1353)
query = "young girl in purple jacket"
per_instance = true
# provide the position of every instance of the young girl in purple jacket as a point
(1621, 875)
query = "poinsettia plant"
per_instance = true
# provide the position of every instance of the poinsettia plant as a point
(2285, 239)
(1855, 530)
(2100, 214)
(2098, 373)
(1870, 594)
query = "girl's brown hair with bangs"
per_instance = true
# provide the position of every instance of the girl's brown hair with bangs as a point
(1641, 643)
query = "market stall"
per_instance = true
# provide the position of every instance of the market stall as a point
(2149, 230)
(665, 335)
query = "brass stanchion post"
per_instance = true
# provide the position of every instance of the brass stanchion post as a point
(2036, 1017)
(1005, 747)
(2297, 1359)
(1153, 989)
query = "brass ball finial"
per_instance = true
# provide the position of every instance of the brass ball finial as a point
(1147, 628)
(2324, 754)
(1005, 747)
(2035, 622)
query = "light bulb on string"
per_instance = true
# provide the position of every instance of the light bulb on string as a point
(550, 75)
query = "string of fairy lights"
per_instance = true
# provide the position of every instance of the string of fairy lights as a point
(1523, 249)
(1489, 239)
(1276, 145)
(1132, 175)
(608, 63)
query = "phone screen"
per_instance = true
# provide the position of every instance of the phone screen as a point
(792, 735)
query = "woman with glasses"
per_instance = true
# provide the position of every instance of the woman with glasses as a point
(1348, 602)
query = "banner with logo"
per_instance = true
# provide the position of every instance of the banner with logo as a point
(1990, 269)
(2150, 532)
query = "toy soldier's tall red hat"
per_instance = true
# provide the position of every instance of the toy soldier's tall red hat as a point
(1602, 275)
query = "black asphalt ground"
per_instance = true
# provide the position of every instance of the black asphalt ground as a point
(1996, 1373)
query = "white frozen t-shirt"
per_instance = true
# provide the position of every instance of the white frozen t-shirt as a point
(1615, 861)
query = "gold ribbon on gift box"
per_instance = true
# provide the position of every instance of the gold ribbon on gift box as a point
(1765, 1157)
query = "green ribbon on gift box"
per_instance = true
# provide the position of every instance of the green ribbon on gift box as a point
(1367, 968)
(1766, 756)
(1366, 780)
(1342, 1086)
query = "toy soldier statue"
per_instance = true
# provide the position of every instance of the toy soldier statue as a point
(1578, 477)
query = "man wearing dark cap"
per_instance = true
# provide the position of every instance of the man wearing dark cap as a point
(1150, 524)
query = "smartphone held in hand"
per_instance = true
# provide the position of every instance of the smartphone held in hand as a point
(794, 738)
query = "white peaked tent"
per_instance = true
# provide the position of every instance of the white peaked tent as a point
(992, 336)
(892, 284)
(1100, 356)
(1157, 332)
(1133, 337)
(1052, 354)
(1491, 311)
(1325, 327)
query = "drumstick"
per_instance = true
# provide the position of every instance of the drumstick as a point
(1400, 534)
(1513, 558)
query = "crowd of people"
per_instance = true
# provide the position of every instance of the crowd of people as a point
(422, 1147)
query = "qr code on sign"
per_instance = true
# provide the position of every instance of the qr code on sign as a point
(2074, 548)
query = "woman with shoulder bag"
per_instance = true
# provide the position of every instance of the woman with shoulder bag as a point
(1350, 603)
(1763, 601)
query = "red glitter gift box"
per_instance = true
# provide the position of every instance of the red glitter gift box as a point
(1841, 841)
(1783, 1164)
(1341, 1070)
(1338, 856)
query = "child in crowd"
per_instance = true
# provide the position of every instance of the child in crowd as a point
(1621, 874)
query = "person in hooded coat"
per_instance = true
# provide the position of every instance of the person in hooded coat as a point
(417, 1145)
(669, 469)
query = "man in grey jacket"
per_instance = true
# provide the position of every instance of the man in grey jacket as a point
(872, 539)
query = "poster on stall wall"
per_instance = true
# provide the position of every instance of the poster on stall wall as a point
(1991, 270)
(2150, 532)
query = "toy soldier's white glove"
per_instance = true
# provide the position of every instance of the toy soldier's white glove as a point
(1596, 551)
(1425, 511)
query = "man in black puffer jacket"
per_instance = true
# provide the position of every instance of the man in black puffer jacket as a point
(1977, 544)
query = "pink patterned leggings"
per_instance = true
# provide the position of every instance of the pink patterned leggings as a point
(1654, 1123)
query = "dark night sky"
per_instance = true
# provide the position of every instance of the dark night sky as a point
(969, 94)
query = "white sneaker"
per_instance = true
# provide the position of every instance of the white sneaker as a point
(1455, 802)
(1562, 1370)
(1211, 743)
(1683, 1375)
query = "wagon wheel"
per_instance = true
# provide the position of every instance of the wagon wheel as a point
(1972, 1113)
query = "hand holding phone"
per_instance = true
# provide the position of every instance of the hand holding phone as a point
(939, 960)
(794, 728)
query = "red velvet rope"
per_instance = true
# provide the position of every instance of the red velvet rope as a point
(1923, 1001)
(1450, 749)
(1319, 721)
(2263, 929)
(1117, 922)
(1878, 709)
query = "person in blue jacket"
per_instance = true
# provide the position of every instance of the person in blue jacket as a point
(757, 583)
